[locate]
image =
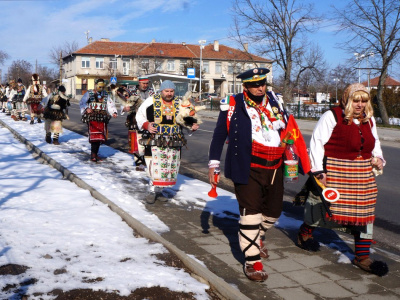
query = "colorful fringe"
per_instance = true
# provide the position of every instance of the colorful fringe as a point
(357, 187)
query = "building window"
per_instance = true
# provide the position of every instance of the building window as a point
(126, 65)
(145, 64)
(206, 66)
(99, 63)
(234, 87)
(171, 65)
(158, 65)
(218, 67)
(249, 66)
(234, 68)
(182, 65)
(113, 63)
(85, 62)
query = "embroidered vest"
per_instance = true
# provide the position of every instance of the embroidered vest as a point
(165, 129)
(350, 141)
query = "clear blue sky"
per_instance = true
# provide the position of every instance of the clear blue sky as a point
(30, 29)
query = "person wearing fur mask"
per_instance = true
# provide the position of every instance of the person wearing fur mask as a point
(33, 97)
(345, 154)
(54, 113)
(130, 104)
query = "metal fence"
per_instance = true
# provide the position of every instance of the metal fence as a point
(314, 111)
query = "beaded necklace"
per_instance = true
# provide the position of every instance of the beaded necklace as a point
(262, 110)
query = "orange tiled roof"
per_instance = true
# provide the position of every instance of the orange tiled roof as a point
(167, 50)
(390, 81)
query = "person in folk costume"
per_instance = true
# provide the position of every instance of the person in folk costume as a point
(141, 93)
(345, 154)
(252, 121)
(10, 90)
(97, 107)
(19, 107)
(162, 138)
(3, 97)
(54, 113)
(130, 103)
(33, 97)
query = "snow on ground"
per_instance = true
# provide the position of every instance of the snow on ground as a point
(53, 227)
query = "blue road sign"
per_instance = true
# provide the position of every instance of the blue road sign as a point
(113, 80)
(191, 72)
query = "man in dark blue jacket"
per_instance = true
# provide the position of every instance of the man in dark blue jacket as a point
(252, 122)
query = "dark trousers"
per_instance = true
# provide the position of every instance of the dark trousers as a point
(259, 195)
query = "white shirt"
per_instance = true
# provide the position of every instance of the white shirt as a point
(323, 132)
(268, 137)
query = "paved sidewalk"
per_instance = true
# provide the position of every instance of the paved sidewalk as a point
(293, 273)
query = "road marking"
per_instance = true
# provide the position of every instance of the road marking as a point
(205, 130)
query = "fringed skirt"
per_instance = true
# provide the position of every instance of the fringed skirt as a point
(357, 187)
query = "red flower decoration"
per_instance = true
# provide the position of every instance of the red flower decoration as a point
(258, 266)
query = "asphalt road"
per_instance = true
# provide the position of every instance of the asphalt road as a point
(195, 158)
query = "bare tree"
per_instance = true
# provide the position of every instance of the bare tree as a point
(63, 50)
(20, 69)
(3, 57)
(277, 28)
(374, 27)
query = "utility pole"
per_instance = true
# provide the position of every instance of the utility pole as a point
(60, 67)
(36, 66)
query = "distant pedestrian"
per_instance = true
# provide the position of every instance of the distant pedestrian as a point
(97, 108)
(33, 97)
(54, 113)
(345, 153)
(19, 107)
(252, 121)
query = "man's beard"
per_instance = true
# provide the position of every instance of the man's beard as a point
(168, 98)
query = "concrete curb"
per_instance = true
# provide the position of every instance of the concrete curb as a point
(222, 287)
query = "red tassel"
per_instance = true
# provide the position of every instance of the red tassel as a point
(258, 266)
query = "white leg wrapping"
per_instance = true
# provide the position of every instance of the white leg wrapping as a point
(249, 236)
(267, 223)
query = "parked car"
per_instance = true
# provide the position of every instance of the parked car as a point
(209, 96)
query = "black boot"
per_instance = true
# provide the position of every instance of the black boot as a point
(32, 121)
(39, 120)
(48, 137)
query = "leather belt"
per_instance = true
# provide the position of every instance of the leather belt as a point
(264, 162)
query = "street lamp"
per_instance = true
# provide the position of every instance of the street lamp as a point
(359, 58)
(201, 42)
(369, 69)
(336, 80)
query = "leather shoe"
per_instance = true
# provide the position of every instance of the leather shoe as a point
(255, 272)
